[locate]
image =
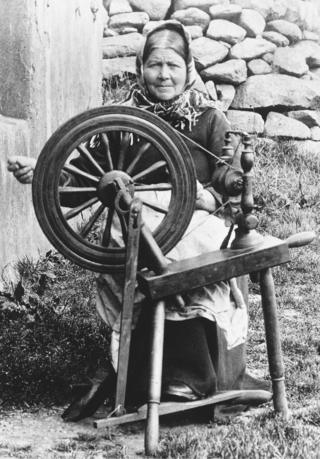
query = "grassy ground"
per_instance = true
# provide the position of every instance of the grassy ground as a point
(52, 339)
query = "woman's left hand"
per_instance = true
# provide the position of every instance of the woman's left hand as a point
(205, 200)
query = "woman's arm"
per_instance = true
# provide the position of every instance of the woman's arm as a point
(211, 134)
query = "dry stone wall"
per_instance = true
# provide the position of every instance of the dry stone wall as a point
(258, 60)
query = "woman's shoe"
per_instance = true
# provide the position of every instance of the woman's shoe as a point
(180, 391)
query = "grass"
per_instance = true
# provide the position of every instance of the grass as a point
(91, 446)
(117, 89)
(51, 338)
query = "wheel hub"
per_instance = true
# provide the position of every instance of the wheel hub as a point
(111, 183)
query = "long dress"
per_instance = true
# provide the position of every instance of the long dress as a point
(205, 305)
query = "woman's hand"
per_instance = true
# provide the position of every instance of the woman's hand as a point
(22, 168)
(205, 200)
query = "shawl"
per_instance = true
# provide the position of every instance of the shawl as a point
(183, 111)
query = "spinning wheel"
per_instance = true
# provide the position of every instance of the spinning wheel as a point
(110, 151)
(98, 162)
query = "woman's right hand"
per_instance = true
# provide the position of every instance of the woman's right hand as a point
(22, 168)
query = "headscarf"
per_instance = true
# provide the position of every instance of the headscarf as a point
(184, 110)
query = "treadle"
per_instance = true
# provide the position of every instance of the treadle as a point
(213, 267)
(242, 396)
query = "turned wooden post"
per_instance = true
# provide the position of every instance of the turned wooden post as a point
(246, 235)
(272, 330)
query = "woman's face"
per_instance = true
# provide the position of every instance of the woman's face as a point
(165, 74)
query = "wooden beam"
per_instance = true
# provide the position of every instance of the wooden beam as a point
(212, 267)
(174, 407)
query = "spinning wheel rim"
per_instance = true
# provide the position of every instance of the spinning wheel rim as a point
(79, 129)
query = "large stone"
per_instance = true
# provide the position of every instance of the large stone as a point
(278, 125)
(155, 9)
(125, 20)
(227, 31)
(292, 13)
(262, 91)
(211, 90)
(288, 29)
(121, 45)
(251, 48)
(119, 6)
(310, 118)
(314, 85)
(225, 94)
(199, 84)
(307, 76)
(151, 25)
(278, 10)
(106, 4)
(109, 32)
(315, 73)
(246, 121)
(303, 13)
(207, 52)
(194, 31)
(258, 67)
(310, 51)
(315, 133)
(202, 4)
(233, 71)
(225, 11)
(264, 7)
(307, 47)
(308, 35)
(117, 66)
(275, 37)
(192, 16)
(125, 30)
(252, 21)
(268, 58)
(306, 147)
(289, 61)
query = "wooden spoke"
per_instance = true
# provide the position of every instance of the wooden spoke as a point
(92, 220)
(137, 157)
(84, 152)
(155, 207)
(107, 230)
(75, 170)
(106, 144)
(149, 170)
(153, 187)
(77, 189)
(76, 210)
(124, 145)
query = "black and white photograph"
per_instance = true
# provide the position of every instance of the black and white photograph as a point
(159, 241)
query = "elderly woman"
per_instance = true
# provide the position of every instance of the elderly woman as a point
(204, 344)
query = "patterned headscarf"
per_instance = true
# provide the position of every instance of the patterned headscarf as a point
(182, 111)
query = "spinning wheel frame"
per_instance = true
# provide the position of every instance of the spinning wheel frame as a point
(68, 138)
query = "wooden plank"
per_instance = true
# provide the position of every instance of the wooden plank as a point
(174, 407)
(212, 267)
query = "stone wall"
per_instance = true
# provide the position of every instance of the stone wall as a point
(259, 60)
(50, 70)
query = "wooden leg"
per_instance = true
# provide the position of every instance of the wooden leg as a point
(134, 226)
(156, 357)
(272, 329)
